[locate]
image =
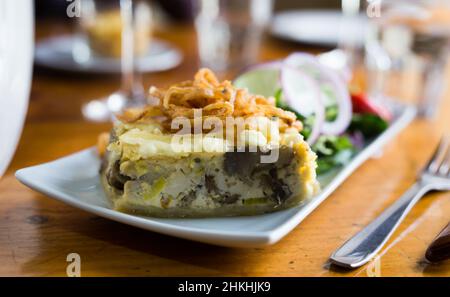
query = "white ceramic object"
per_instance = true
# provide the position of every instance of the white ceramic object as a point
(317, 27)
(75, 180)
(56, 53)
(16, 60)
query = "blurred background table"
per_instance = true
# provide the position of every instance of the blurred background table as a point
(37, 233)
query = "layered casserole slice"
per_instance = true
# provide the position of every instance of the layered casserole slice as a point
(204, 148)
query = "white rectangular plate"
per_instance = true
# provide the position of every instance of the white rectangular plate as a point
(75, 180)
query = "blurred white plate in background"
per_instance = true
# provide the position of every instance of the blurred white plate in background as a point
(321, 27)
(56, 53)
(16, 57)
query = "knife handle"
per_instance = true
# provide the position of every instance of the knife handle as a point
(439, 249)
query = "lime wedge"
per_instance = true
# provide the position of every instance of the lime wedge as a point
(259, 81)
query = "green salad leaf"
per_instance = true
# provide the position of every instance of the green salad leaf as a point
(368, 124)
(333, 151)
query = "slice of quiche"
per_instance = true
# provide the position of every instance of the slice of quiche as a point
(155, 166)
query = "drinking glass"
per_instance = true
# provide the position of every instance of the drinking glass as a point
(114, 29)
(348, 32)
(229, 31)
(407, 48)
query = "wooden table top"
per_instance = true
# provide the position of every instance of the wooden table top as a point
(37, 233)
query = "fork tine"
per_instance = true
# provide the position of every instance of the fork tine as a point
(435, 162)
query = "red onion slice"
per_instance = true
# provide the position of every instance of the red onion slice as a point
(343, 100)
(297, 97)
(326, 76)
(336, 60)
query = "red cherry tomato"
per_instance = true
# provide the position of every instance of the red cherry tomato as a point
(361, 104)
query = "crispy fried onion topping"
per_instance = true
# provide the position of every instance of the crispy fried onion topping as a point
(213, 98)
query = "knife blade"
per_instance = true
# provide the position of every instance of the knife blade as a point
(439, 249)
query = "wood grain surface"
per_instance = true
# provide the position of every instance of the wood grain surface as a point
(37, 232)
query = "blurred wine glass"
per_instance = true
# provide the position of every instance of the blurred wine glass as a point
(348, 33)
(346, 57)
(229, 32)
(116, 29)
(407, 49)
